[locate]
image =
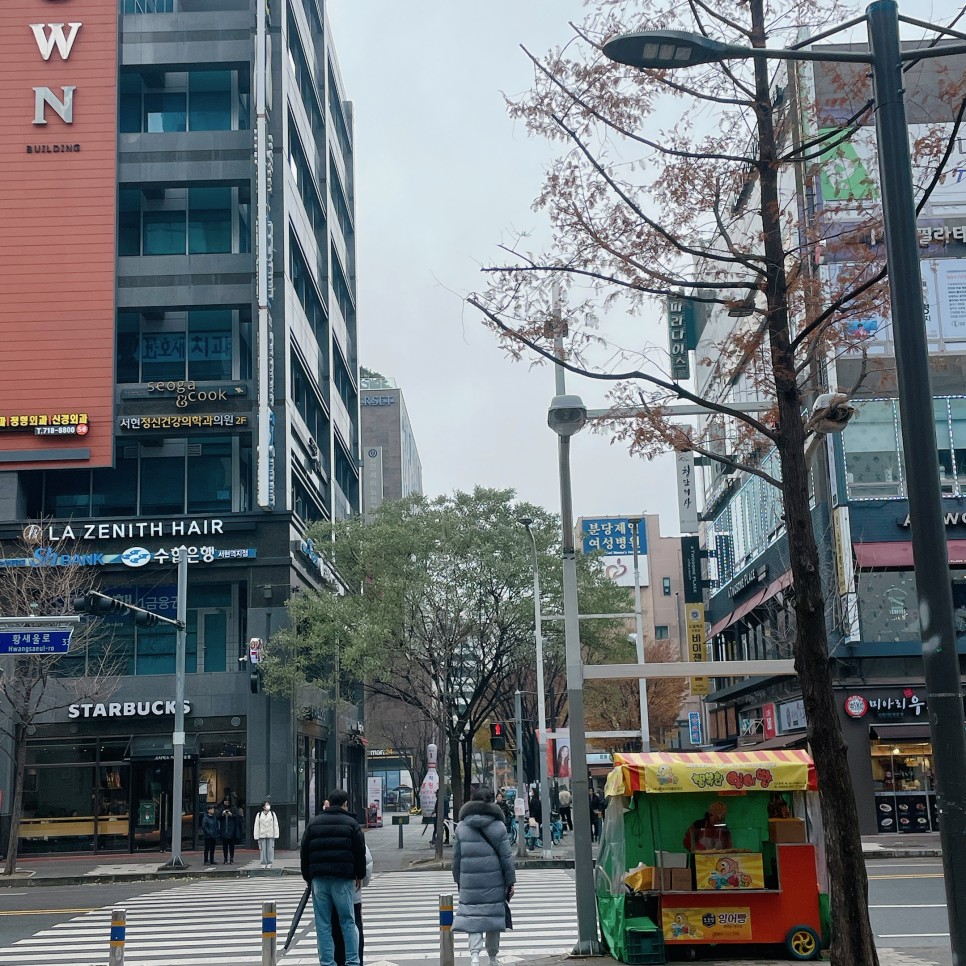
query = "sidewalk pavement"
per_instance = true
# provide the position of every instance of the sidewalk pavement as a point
(383, 842)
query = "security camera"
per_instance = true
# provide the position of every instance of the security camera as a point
(831, 413)
(567, 415)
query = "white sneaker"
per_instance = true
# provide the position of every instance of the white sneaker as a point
(494, 961)
(474, 959)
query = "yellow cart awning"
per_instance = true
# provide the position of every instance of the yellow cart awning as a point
(774, 770)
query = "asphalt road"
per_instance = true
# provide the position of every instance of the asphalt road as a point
(906, 899)
(907, 902)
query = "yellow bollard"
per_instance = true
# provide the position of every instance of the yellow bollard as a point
(118, 937)
(446, 931)
(269, 933)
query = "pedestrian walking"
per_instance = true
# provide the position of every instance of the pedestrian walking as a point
(566, 809)
(210, 829)
(504, 806)
(337, 940)
(596, 804)
(446, 803)
(266, 832)
(333, 862)
(484, 874)
(231, 829)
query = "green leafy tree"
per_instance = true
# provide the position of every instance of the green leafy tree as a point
(443, 619)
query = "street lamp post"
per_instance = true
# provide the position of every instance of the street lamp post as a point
(667, 49)
(545, 838)
(636, 524)
(566, 416)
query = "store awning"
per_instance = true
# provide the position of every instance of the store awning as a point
(899, 554)
(901, 732)
(797, 739)
(754, 601)
(674, 772)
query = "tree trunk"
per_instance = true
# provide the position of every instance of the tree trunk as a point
(16, 805)
(852, 940)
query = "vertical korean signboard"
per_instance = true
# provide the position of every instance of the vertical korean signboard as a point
(58, 168)
(694, 608)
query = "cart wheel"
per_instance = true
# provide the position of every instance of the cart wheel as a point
(802, 942)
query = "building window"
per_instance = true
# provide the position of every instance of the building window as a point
(666, 586)
(148, 6)
(161, 102)
(166, 477)
(661, 632)
(167, 220)
(192, 344)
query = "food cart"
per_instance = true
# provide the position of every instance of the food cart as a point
(701, 849)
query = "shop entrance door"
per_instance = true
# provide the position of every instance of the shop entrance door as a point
(151, 800)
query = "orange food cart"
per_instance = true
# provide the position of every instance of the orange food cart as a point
(710, 848)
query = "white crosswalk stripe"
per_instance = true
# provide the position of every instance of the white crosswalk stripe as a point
(219, 922)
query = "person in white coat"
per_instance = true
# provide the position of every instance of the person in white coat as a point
(266, 832)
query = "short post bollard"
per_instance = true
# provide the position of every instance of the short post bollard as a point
(269, 935)
(400, 820)
(118, 935)
(445, 931)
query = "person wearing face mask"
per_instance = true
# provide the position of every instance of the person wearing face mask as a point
(266, 832)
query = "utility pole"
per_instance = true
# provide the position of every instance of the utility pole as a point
(177, 739)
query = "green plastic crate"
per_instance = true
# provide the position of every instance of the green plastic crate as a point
(645, 944)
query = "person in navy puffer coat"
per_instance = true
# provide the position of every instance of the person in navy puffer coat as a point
(484, 873)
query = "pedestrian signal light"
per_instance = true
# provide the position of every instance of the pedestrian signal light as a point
(497, 737)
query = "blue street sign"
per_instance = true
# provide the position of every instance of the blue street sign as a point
(27, 641)
(694, 726)
(612, 536)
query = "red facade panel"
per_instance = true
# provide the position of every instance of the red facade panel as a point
(58, 169)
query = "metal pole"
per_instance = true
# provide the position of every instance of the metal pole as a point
(588, 943)
(635, 523)
(545, 836)
(944, 699)
(177, 739)
(269, 933)
(446, 957)
(518, 812)
(118, 937)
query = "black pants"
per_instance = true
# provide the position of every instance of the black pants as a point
(566, 817)
(210, 850)
(337, 939)
(228, 850)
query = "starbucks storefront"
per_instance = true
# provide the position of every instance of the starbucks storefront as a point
(103, 783)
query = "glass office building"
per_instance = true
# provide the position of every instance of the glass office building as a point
(229, 419)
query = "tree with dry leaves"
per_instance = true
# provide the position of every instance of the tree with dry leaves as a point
(613, 705)
(720, 183)
(35, 685)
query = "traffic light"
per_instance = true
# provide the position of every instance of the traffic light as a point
(497, 738)
(98, 604)
(103, 606)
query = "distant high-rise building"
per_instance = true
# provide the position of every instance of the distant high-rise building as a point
(391, 468)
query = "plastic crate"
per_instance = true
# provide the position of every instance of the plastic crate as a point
(645, 944)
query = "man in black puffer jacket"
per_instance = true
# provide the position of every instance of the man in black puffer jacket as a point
(333, 857)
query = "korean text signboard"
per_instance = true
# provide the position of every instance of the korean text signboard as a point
(612, 536)
(58, 164)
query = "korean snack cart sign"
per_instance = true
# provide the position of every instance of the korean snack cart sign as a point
(687, 925)
(779, 770)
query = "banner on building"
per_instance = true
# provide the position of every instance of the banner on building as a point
(697, 643)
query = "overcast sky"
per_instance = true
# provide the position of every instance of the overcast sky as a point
(442, 177)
